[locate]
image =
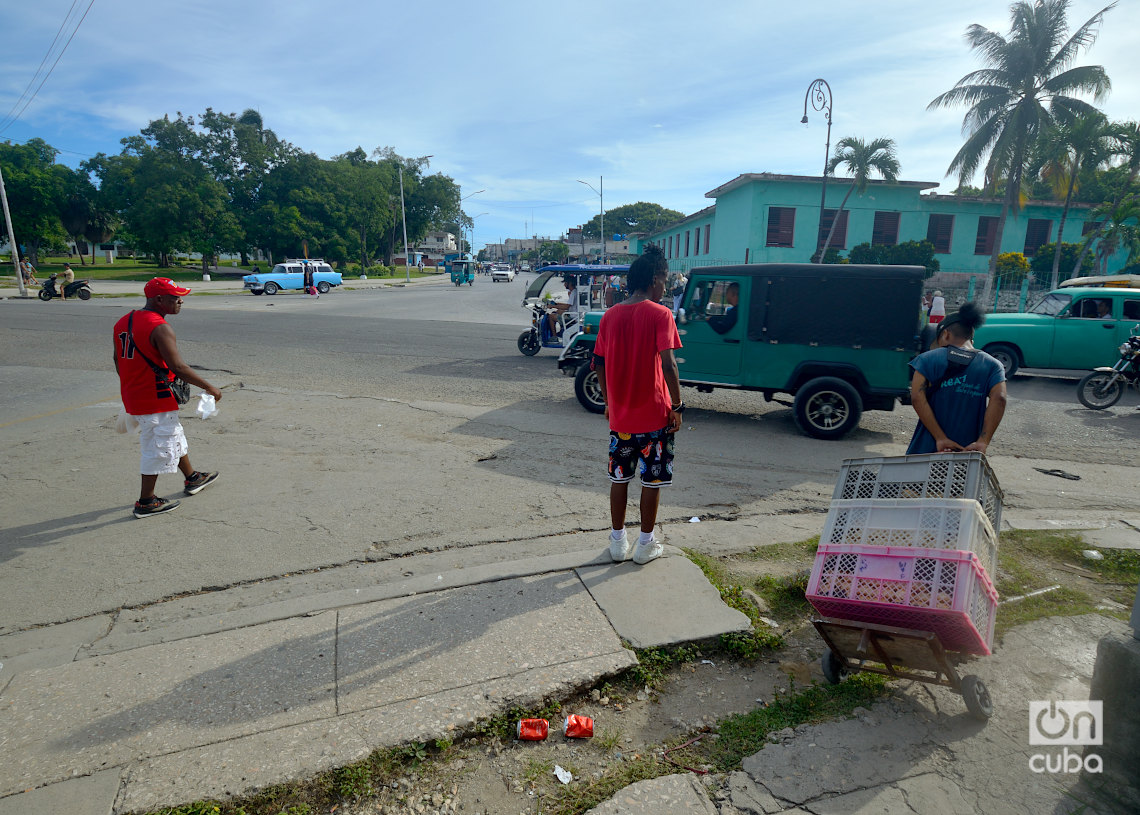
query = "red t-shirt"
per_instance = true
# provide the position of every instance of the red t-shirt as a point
(631, 338)
(141, 389)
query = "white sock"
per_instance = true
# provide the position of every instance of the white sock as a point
(646, 538)
(616, 534)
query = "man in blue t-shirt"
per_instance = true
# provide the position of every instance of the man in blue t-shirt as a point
(958, 392)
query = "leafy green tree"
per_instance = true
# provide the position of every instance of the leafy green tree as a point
(1027, 84)
(1121, 186)
(1042, 262)
(366, 189)
(861, 160)
(630, 218)
(77, 206)
(35, 185)
(908, 253)
(1066, 147)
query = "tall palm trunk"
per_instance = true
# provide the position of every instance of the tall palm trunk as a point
(835, 222)
(1061, 229)
(1095, 236)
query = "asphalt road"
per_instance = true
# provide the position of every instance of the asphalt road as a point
(371, 424)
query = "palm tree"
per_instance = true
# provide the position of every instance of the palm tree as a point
(1026, 85)
(861, 159)
(1119, 229)
(1066, 148)
(1128, 147)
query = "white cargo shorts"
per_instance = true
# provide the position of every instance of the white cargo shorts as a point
(161, 443)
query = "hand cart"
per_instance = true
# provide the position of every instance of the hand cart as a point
(903, 653)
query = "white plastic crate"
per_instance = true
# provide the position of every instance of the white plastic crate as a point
(926, 475)
(932, 523)
(946, 592)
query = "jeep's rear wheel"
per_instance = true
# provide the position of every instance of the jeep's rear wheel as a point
(827, 408)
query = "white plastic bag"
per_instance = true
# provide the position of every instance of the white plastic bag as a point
(126, 423)
(207, 407)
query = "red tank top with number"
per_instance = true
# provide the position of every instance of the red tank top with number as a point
(142, 390)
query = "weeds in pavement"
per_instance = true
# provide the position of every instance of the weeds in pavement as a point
(653, 663)
(1029, 560)
(749, 644)
(503, 726)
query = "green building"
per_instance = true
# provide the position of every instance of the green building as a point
(769, 217)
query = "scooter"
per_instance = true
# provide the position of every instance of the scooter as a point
(77, 288)
(539, 336)
(1104, 386)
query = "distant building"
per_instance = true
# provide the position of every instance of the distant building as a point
(769, 217)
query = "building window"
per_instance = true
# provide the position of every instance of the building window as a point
(708, 228)
(987, 231)
(686, 243)
(886, 229)
(939, 231)
(670, 254)
(781, 226)
(697, 241)
(1037, 235)
(839, 239)
(1087, 227)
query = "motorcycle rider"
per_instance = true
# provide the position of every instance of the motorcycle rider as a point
(65, 279)
(553, 324)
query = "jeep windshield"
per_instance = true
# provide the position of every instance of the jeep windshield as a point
(1052, 304)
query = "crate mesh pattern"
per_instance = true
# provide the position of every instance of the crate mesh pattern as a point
(944, 592)
(929, 475)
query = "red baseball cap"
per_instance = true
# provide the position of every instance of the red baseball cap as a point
(163, 285)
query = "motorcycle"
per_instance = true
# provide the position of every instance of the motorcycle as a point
(539, 336)
(77, 288)
(1104, 386)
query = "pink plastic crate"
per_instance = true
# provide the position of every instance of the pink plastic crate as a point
(939, 590)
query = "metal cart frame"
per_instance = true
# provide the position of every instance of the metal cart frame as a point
(902, 653)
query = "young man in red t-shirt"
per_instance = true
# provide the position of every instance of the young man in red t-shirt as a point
(143, 342)
(642, 391)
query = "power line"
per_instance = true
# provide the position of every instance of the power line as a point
(43, 62)
(14, 115)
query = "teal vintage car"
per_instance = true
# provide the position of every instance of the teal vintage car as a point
(1071, 327)
(837, 338)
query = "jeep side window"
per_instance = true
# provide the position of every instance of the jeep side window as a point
(709, 299)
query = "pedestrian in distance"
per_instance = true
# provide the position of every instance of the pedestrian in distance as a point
(145, 342)
(957, 391)
(641, 388)
(28, 272)
(937, 309)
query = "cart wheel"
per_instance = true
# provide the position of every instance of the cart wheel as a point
(834, 669)
(978, 700)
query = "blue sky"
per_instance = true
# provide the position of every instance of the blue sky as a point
(665, 100)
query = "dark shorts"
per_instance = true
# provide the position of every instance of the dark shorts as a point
(653, 451)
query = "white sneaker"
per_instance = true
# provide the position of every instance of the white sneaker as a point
(620, 548)
(646, 552)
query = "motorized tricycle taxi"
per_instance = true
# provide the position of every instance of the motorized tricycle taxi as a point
(594, 287)
(463, 271)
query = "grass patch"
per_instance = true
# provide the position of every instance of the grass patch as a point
(785, 596)
(744, 734)
(750, 644)
(653, 663)
(783, 552)
(1035, 559)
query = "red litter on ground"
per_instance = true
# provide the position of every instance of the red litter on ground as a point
(578, 727)
(532, 729)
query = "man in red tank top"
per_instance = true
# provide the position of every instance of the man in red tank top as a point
(147, 360)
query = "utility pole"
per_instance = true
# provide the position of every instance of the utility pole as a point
(12, 238)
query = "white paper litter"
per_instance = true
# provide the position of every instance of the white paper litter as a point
(1092, 554)
(565, 776)
(694, 520)
(708, 662)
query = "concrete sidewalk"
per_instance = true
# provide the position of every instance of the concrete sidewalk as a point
(176, 703)
(220, 283)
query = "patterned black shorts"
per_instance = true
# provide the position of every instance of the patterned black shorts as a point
(652, 451)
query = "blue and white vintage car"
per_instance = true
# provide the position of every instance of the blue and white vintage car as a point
(291, 275)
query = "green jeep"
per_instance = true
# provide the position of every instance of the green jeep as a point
(836, 337)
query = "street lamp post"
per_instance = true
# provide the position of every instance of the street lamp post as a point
(404, 224)
(601, 212)
(473, 217)
(819, 93)
(461, 200)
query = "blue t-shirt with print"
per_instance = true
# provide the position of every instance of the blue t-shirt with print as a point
(960, 403)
